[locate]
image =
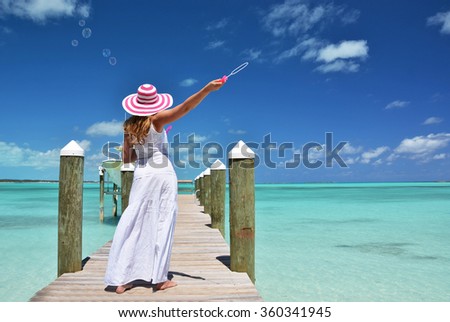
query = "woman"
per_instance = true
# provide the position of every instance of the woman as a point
(142, 243)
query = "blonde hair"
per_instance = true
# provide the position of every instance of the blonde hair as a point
(137, 127)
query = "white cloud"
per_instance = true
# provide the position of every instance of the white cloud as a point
(350, 161)
(396, 104)
(437, 97)
(185, 155)
(200, 138)
(288, 17)
(215, 44)
(197, 138)
(421, 149)
(12, 155)
(339, 66)
(392, 157)
(350, 149)
(299, 19)
(112, 128)
(378, 162)
(440, 156)
(84, 10)
(314, 154)
(367, 157)
(312, 47)
(5, 30)
(338, 58)
(297, 50)
(218, 25)
(349, 154)
(293, 17)
(344, 50)
(188, 82)
(423, 145)
(252, 54)
(441, 19)
(350, 16)
(433, 120)
(307, 48)
(95, 159)
(41, 10)
(226, 120)
(237, 132)
(85, 144)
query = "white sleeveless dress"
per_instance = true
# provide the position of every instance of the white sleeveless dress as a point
(142, 243)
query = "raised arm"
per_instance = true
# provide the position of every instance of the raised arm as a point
(168, 116)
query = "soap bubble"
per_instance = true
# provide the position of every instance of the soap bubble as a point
(112, 61)
(74, 42)
(82, 23)
(106, 52)
(87, 32)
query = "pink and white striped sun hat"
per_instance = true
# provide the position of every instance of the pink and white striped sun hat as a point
(146, 101)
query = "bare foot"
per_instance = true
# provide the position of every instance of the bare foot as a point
(165, 285)
(122, 288)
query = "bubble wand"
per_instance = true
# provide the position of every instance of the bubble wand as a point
(234, 72)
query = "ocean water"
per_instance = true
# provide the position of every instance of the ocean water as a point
(314, 242)
(29, 234)
(353, 242)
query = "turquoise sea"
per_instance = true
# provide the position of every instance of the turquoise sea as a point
(314, 242)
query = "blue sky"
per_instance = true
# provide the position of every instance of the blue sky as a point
(373, 73)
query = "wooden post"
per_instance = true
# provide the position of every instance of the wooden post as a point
(207, 189)
(127, 172)
(70, 208)
(218, 178)
(115, 199)
(200, 187)
(242, 209)
(196, 186)
(101, 172)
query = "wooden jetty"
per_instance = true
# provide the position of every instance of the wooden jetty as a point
(199, 264)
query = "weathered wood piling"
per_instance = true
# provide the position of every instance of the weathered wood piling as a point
(207, 191)
(70, 208)
(201, 188)
(241, 163)
(115, 198)
(217, 199)
(101, 173)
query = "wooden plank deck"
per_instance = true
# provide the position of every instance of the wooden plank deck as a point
(199, 264)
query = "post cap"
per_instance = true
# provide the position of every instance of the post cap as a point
(241, 151)
(207, 172)
(127, 167)
(72, 149)
(218, 165)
